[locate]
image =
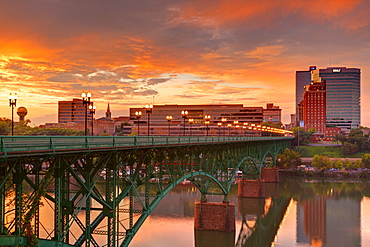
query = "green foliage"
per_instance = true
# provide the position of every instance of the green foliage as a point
(5, 126)
(349, 148)
(330, 151)
(278, 125)
(365, 160)
(289, 159)
(311, 130)
(338, 164)
(321, 162)
(355, 141)
(302, 137)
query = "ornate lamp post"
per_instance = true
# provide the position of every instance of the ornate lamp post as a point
(191, 121)
(169, 119)
(12, 104)
(245, 124)
(229, 126)
(206, 122)
(149, 110)
(184, 114)
(207, 128)
(235, 123)
(219, 124)
(224, 121)
(138, 116)
(92, 112)
(86, 102)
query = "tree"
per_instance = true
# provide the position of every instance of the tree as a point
(349, 148)
(278, 125)
(321, 162)
(365, 160)
(288, 159)
(340, 138)
(338, 164)
(5, 126)
(302, 137)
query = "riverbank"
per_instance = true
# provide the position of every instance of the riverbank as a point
(359, 173)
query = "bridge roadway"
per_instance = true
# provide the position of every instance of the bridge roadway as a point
(109, 185)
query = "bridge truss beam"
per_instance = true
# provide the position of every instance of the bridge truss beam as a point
(112, 192)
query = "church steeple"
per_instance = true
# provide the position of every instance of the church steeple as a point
(108, 114)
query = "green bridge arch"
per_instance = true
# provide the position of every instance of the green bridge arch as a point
(113, 178)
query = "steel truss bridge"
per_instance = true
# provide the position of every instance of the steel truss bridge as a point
(98, 191)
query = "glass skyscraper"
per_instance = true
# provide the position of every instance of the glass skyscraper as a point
(342, 97)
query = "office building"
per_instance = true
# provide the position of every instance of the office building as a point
(73, 111)
(303, 78)
(342, 97)
(272, 113)
(231, 112)
(314, 101)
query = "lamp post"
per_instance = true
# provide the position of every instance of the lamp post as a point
(149, 110)
(229, 126)
(191, 121)
(138, 116)
(12, 104)
(235, 123)
(86, 102)
(223, 120)
(219, 128)
(245, 127)
(206, 122)
(169, 119)
(92, 112)
(184, 114)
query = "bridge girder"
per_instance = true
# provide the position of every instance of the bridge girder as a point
(113, 192)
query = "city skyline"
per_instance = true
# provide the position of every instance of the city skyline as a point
(174, 52)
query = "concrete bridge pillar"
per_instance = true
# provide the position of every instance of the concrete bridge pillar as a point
(251, 188)
(254, 206)
(214, 216)
(270, 175)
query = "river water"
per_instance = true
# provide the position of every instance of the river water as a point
(296, 212)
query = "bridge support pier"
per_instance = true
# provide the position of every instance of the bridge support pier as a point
(214, 216)
(251, 188)
(270, 175)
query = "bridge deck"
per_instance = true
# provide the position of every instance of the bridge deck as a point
(26, 145)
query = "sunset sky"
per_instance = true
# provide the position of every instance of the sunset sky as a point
(131, 52)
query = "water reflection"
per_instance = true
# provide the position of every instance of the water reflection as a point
(295, 212)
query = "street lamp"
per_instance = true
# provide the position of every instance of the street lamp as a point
(224, 121)
(245, 127)
(149, 110)
(206, 122)
(219, 128)
(184, 114)
(169, 119)
(138, 116)
(86, 102)
(229, 125)
(191, 121)
(235, 123)
(92, 112)
(12, 104)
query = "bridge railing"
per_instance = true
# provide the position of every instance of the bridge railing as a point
(27, 144)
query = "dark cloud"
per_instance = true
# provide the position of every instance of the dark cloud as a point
(156, 81)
